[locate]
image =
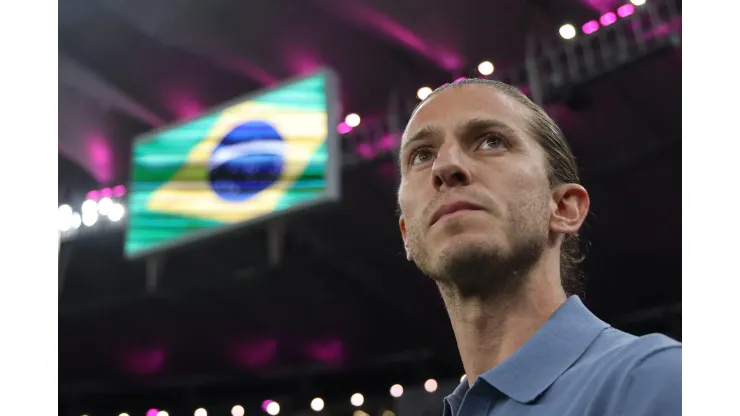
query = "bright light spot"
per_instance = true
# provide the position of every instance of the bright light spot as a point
(123, 414)
(485, 68)
(590, 27)
(637, 2)
(90, 218)
(64, 210)
(273, 408)
(89, 206)
(104, 205)
(357, 400)
(237, 411)
(64, 217)
(152, 412)
(567, 31)
(625, 10)
(462, 377)
(106, 192)
(317, 404)
(200, 412)
(608, 19)
(343, 128)
(430, 385)
(162, 413)
(359, 413)
(388, 413)
(423, 93)
(396, 390)
(116, 212)
(352, 120)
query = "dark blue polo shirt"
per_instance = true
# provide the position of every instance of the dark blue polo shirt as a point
(575, 364)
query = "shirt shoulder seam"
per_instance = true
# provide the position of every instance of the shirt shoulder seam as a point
(630, 375)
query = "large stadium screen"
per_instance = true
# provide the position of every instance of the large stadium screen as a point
(256, 158)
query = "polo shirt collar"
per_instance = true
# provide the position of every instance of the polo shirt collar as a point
(554, 348)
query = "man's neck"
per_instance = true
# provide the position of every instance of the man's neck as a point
(490, 329)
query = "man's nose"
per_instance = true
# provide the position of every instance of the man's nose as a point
(450, 168)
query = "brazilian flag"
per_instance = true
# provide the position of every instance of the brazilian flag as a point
(255, 156)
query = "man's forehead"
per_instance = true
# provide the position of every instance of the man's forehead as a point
(457, 104)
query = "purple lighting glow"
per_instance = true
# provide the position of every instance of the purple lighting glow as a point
(106, 192)
(144, 361)
(365, 150)
(257, 353)
(608, 18)
(625, 10)
(94, 195)
(152, 412)
(377, 21)
(183, 104)
(101, 155)
(386, 142)
(343, 128)
(460, 79)
(265, 404)
(330, 351)
(119, 191)
(590, 27)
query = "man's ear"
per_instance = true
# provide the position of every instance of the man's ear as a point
(571, 204)
(402, 226)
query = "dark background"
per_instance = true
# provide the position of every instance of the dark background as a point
(343, 311)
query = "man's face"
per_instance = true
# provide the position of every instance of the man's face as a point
(466, 153)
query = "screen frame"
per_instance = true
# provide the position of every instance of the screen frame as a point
(333, 171)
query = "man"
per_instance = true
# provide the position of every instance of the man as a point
(490, 209)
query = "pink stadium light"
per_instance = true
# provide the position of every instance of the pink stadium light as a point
(119, 191)
(386, 142)
(94, 195)
(365, 150)
(343, 128)
(460, 79)
(152, 412)
(265, 404)
(590, 27)
(625, 10)
(106, 192)
(608, 18)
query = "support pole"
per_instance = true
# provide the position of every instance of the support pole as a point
(533, 72)
(275, 242)
(154, 268)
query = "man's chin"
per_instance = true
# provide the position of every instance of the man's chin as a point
(468, 256)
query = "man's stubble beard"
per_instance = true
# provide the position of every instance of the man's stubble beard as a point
(487, 267)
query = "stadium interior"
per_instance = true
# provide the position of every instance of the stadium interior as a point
(321, 311)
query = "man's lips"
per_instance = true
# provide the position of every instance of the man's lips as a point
(448, 209)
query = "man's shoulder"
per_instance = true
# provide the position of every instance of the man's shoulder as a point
(625, 351)
(616, 358)
(634, 375)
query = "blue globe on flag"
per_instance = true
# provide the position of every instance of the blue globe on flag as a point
(249, 159)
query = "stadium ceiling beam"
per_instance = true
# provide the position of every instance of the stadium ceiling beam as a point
(84, 80)
(192, 43)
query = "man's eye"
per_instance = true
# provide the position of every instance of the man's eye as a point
(421, 156)
(492, 142)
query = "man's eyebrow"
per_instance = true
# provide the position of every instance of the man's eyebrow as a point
(463, 128)
(480, 124)
(424, 133)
